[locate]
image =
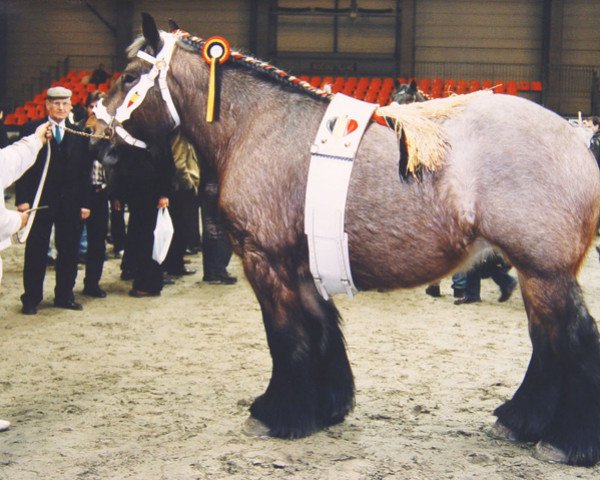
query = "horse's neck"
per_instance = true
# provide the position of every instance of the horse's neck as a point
(249, 111)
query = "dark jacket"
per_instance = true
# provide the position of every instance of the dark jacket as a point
(68, 181)
(595, 146)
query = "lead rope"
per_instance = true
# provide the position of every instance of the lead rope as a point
(21, 235)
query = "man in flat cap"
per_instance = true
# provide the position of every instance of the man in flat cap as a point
(66, 191)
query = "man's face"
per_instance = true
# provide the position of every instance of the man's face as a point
(59, 109)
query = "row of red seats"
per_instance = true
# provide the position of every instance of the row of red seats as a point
(379, 90)
(370, 89)
(76, 81)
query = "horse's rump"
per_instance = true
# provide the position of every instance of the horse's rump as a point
(418, 125)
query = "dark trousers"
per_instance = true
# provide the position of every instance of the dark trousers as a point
(117, 228)
(97, 228)
(66, 219)
(139, 241)
(216, 247)
(181, 207)
(497, 273)
(194, 239)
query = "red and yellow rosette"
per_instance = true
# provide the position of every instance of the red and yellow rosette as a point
(215, 52)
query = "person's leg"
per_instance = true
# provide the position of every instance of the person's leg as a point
(459, 283)
(68, 227)
(472, 288)
(117, 229)
(506, 282)
(216, 247)
(148, 273)
(36, 254)
(97, 228)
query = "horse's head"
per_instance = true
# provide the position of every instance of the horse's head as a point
(408, 93)
(139, 108)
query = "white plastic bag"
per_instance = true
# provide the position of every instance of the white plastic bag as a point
(163, 233)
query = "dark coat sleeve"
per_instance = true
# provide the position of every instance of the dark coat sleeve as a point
(595, 146)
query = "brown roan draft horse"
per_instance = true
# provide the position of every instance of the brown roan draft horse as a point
(514, 176)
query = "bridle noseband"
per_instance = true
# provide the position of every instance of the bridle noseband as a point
(135, 96)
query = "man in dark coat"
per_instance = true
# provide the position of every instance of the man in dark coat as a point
(66, 192)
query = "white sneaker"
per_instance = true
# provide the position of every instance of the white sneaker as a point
(4, 425)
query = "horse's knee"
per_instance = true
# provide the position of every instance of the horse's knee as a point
(311, 384)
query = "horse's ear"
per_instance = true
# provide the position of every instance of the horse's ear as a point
(413, 85)
(150, 31)
(173, 25)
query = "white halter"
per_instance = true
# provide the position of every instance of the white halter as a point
(136, 95)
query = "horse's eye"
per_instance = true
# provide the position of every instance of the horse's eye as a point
(128, 78)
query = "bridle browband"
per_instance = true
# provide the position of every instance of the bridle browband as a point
(135, 96)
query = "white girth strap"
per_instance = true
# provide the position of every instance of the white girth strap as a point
(137, 94)
(333, 154)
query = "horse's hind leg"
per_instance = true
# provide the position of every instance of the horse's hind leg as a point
(311, 382)
(558, 402)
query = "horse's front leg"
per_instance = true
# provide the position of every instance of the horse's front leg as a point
(311, 382)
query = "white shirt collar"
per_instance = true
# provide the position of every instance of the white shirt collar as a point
(62, 124)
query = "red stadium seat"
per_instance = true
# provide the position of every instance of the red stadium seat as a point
(10, 119)
(499, 86)
(511, 87)
(474, 86)
(536, 86)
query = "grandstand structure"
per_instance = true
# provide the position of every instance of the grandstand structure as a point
(544, 50)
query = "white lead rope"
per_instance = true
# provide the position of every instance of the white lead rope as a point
(21, 235)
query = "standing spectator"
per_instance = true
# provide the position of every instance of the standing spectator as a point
(142, 181)
(182, 203)
(97, 223)
(15, 160)
(66, 191)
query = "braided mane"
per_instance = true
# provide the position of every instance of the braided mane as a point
(196, 44)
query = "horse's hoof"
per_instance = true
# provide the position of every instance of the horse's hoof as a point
(548, 453)
(500, 432)
(255, 428)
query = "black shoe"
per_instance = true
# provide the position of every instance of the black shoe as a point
(506, 292)
(69, 305)
(465, 300)
(95, 292)
(433, 291)
(193, 250)
(127, 275)
(220, 279)
(168, 280)
(29, 310)
(141, 293)
(459, 292)
(183, 271)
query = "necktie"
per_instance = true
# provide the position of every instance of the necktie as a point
(58, 134)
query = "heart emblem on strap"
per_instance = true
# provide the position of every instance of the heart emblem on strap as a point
(350, 126)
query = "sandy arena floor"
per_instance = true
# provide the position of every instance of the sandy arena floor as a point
(159, 388)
